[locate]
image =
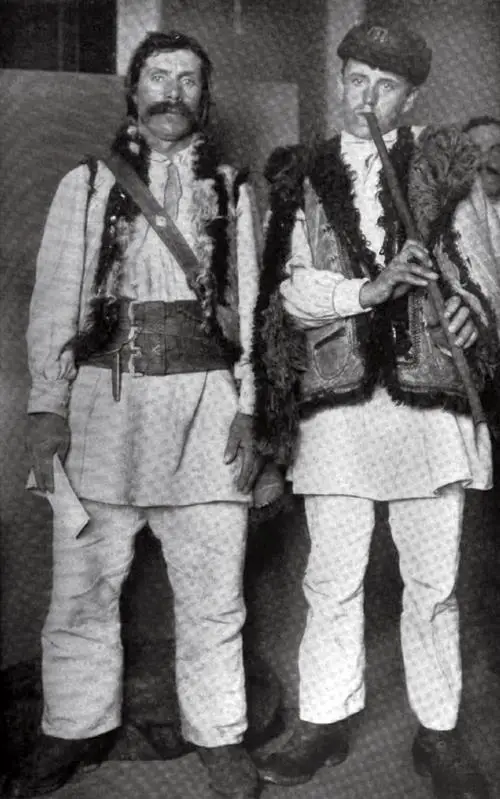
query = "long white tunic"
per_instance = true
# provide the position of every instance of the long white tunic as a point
(373, 449)
(163, 443)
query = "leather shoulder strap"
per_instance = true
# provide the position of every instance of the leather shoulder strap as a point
(157, 217)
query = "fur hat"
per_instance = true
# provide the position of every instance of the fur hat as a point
(390, 48)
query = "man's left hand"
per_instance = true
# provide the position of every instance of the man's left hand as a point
(241, 441)
(460, 323)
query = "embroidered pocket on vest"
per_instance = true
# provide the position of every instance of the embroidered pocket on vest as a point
(335, 367)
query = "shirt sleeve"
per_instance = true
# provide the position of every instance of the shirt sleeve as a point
(312, 296)
(247, 247)
(55, 303)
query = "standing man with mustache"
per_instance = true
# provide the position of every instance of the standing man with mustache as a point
(358, 395)
(135, 364)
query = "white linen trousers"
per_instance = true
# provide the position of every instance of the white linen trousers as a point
(204, 547)
(426, 533)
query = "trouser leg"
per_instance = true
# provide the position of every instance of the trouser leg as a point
(332, 654)
(81, 643)
(427, 535)
(204, 547)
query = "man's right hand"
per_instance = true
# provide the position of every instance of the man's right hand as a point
(410, 267)
(48, 435)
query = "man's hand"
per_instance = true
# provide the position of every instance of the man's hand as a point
(269, 486)
(411, 267)
(48, 435)
(240, 441)
(460, 324)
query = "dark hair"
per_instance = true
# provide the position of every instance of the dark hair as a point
(480, 122)
(169, 42)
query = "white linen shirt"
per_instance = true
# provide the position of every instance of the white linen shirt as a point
(163, 443)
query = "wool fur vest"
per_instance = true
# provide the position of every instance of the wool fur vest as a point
(213, 218)
(299, 371)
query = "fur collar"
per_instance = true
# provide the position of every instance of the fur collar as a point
(332, 180)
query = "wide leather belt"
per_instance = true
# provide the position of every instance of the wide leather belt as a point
(159, 338)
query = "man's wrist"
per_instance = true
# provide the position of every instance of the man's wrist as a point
(367, 295)
(346, 296)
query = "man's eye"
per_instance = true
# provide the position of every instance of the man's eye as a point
(356, 81)
(189, 82)
(157, 77)
(387, 86)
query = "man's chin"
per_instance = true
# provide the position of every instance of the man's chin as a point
(359, 129)
(170, 127)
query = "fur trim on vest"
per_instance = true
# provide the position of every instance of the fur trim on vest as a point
(214, 199)
(435, 173)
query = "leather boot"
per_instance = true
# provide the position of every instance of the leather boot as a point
(310, 747)
(52, 762)
(444, 757)
(231, 771)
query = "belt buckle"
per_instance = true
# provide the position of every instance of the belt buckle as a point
(135, 351)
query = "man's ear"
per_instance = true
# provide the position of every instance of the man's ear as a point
(411, 100)
(339, 87)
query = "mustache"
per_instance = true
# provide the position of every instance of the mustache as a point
(170, 107)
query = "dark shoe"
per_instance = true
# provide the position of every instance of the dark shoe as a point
(444, 757)
(310, 747)
(52, 762)
(231, 772)
(165, 739)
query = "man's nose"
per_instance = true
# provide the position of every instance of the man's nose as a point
(171, 90)
(369, 96)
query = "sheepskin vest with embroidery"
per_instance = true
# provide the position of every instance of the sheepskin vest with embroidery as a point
(299, 371)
